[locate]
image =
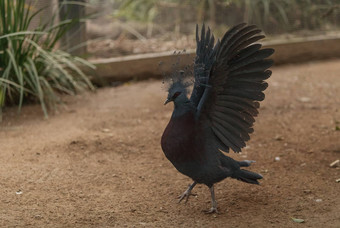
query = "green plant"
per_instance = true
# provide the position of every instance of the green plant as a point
(273, 16)
(139, 10)
(147, 10)
(280, 16)
(31, 68)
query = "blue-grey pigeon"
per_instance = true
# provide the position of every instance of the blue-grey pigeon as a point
(229, 80)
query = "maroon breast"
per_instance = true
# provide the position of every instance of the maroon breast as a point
(179, 139)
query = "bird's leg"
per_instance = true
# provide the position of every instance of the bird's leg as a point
(213, 208)
(187, 193)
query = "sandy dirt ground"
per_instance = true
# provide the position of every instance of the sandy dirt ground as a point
(98, 162)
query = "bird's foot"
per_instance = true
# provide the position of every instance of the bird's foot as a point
(211, 210)
(185, 195)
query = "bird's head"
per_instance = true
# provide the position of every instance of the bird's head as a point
(177, 96)
(178, 87)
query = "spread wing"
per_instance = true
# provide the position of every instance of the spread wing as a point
(205, 58)
(229, 100)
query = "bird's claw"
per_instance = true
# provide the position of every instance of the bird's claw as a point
(185, 195)
(211, 210)
(181, 197)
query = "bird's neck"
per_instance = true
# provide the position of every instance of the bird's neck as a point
(181, 108)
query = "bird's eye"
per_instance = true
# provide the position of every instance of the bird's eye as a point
(176, 95)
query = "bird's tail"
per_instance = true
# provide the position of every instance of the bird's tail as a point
(247, 176)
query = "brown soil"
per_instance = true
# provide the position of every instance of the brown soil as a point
(98, 162)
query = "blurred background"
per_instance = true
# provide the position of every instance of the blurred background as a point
(48, 46)
(52, 47)
(125, 27)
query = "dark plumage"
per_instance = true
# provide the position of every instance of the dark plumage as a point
(228, 85)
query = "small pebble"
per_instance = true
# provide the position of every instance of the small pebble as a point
(279, 138)
(277, 158)
(335, 164)
(105, 130)
(304, 99)
(318, 200)
(38, 217)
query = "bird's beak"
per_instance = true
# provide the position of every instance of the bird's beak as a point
(167, 101)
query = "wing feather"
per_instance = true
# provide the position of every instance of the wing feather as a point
(205, 58)
(259, 66)
(237, 106)
(252, 95)
(235, 84)
(224, 139)
(255, 76)
(237, 40)
(235, 122)
(233, 130)
(253, 58)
